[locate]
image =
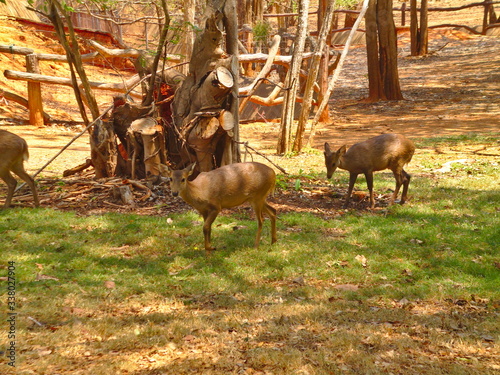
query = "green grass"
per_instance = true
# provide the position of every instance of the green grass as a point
(277, 308)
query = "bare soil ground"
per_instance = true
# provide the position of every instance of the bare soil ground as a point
(454, 90)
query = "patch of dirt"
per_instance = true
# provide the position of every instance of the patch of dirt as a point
(454, 90)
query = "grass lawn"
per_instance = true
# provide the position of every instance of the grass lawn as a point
(412, 289)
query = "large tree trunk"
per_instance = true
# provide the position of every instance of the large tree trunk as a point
(381, 46)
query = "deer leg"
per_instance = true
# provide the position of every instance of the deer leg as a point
(257, 207)
(406, 183)
(369, 183)
(352, 179)
(209, 217)
(11, 185)
(398, 175)
(271, 212)
(19, 170)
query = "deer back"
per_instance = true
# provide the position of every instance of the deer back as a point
(233, 184)
(386, 151)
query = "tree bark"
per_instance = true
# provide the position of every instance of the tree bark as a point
(381, 47)
(336, 75)
(419, 38)
(388, 50)
(292, 81)
(313, 73)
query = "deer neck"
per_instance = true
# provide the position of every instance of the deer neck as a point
(189, 193)
(343, 163)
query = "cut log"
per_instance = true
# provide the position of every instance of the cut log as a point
(124, 193)
(78, 168)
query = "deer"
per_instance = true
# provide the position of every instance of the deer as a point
(225, 187)
(13, 153)
(386, 151)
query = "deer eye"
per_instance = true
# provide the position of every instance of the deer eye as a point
(183, 180)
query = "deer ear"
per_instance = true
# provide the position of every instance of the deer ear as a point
(190, 169)
(327, 148)
(341, 151)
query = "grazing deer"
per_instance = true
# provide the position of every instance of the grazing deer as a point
(225, 187)
(386, 151)
(13, 153)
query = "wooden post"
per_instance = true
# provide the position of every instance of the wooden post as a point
(403, 14)
(35, 104)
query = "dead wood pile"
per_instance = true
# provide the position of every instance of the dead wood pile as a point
(83, 194)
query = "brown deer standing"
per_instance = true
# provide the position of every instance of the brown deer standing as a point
(13, 153)
(225, 187)
(386, 151)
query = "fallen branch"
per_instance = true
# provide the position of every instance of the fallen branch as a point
(264, 156)
(20, 100)
(331, 84)
(250, 89)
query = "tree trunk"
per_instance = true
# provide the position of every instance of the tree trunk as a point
(419, 38)
(188, 40)
(324, 66)
(388, 50)
(381, 47)
(338, 69)
(148, 99)
(375, 85)
(292, 81)
(313, 73)
(103, 149)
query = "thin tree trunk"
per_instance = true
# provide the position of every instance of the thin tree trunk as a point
(324, 67)
(419, 34)
(232, 150)
(313, 73)
(161, 44)
(424, 31)
(414, 34)
(292, 81)
(336, 75)
(273, 50)
(189, 11)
